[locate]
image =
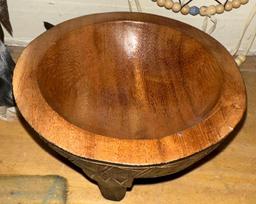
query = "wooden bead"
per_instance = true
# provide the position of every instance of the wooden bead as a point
(168, 4)
(240, 59)
(220, 9)
(211, 10)
(236, 3)
(161, 3)
(228, 6)
(185, 10)
(244, 1)
(203, 10)
(176, 7)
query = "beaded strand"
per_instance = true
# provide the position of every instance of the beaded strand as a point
(185, 9)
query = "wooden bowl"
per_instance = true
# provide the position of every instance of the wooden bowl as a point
(129, 95)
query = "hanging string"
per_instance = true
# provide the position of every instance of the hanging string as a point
(247, 24)
(130, 5)
(137, 3)
(240, 59)
(218, 2)
(250, 44)
(206, 23)
(184, 4)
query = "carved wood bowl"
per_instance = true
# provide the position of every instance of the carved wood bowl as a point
(129, 95)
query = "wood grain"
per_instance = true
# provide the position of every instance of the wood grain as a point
(134, 82)
(228, 177)
(129, 90)
(127, 80)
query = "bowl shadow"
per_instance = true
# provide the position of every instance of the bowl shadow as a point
(142, 181)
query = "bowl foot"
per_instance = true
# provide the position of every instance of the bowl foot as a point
(112, 181)
(111, 192)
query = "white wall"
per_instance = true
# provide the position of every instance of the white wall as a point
(27, 17)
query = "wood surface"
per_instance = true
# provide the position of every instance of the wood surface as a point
(226, 176)
(153, 89)
(129, 90)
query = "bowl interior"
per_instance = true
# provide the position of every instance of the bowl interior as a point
(130, 79)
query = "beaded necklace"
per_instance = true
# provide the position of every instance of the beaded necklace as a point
(185, 9)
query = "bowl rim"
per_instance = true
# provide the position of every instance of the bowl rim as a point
(82, 143)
